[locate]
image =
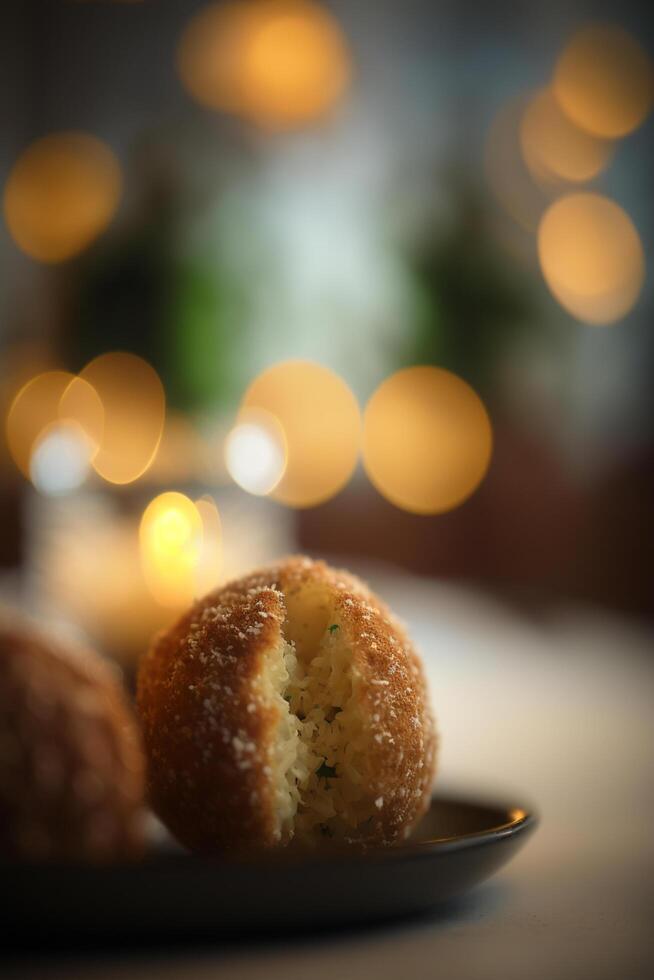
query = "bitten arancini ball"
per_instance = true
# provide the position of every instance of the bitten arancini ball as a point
(289, 704)
(71, 764)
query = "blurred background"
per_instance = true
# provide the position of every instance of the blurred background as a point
(366, 280)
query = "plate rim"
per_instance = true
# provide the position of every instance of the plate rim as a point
(519, 820)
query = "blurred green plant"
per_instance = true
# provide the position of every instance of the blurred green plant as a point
(471, 302)
(137, 290)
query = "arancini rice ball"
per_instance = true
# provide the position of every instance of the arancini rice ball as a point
(71, 762)
(287, 705)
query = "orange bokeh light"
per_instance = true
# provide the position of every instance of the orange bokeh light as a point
(280, 63)
(80, 403)
(33, 410)
(134, 406)
(321, 423)
(604, 81)
(591, 257)
(427, 440)
(554, 148)
(61, 194)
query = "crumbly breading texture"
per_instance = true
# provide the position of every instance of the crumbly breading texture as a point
(71, 766)
(237, 704)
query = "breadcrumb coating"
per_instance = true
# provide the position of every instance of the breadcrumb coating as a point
(289, 704)
(71, 764)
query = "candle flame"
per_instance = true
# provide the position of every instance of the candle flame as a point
(171, 539)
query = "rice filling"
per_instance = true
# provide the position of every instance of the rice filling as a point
(319, 751)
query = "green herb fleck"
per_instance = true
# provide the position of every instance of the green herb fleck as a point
(325, 771)
(334, 627)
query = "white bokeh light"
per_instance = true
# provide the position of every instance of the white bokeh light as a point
(255, 455)
(61, 459)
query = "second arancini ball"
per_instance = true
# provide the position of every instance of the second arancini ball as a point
(289, 704)
(71, 763)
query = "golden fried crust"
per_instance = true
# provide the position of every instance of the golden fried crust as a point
(208, 733)
(206, 728)
(71, 765)
(395, 701)
(394, 697)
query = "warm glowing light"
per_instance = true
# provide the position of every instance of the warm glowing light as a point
(604, 81)
(280, 63)
(554, 148)
(321, 422)
(209, 568)
(517, 813)
(295, 64)
(61, 194)
(506, 172)
(210, 54)
(255, 452)
(591, 257)
(60, 459)
(93, 575)
(35, 407)
(133, 400)
(81, 404)
(171, 538)
(427, 440)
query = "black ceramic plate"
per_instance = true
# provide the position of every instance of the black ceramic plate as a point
(457, 845)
